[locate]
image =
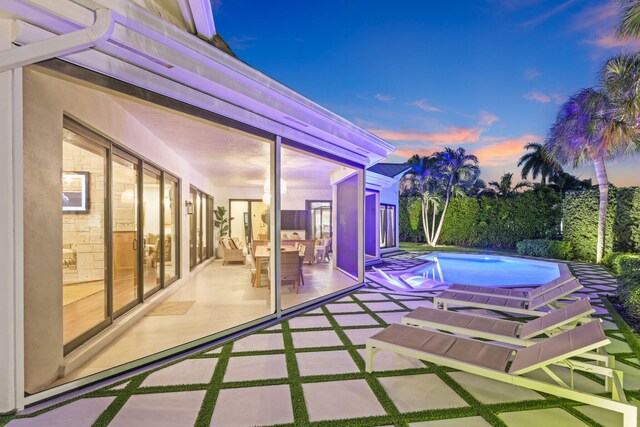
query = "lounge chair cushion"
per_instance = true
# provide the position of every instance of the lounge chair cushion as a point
(468, 321)
(544, 299)
(559, 347)
(556, 318)
(469, 351)
(483, 299)
(486, 290)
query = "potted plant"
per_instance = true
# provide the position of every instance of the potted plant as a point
(221, 224)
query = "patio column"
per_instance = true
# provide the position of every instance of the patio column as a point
(11, 373)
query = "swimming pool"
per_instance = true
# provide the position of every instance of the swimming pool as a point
(487, 270)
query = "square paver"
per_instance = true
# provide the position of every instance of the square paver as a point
(388, 361)
(392, 317)
(159, 410)
(453, 422)
(190, 371)
(341, 399)
(540, 418)
(491, 391)
(355, 320)
(250, 406)
(415, 304)
(421, 392)
(359, 336)
(602, 416)
(262, 367)
(81, 413)
(326, 363)
(371, 296)
(316, 339)
(383, 306)
(305, 322)
(215, 351)
(259, 342)
(344, 308)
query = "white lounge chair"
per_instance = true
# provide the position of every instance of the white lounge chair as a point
(528, 307)
(507, 331)
(565, 277)
(508, 365)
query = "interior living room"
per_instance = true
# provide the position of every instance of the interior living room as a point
(165, 235)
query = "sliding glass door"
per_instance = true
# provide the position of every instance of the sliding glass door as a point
(152, 244)
(84, 222)
(120, 227)
(169, 249)
(200, 227)
(125, 239)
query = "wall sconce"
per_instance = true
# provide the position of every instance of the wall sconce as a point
(189, 207)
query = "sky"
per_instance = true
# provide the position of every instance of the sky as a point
(486, 75)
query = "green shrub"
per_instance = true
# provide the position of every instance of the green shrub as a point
(502, 222)
(545, 248)
(580, 216)
(627, 267)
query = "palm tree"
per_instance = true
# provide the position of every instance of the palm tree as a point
(629, 26)
(505, 187)
(537, 162)
(594, 127)
(564, 182)
(422, 179)
(457, 168)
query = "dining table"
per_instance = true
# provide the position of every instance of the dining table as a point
(263, 253)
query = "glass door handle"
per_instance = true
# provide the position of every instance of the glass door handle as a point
(135, 244)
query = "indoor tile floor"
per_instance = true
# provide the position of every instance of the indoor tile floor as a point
(310, 370)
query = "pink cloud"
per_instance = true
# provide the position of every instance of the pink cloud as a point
(610, 41)
(548, 14)
(537, 97)
(424, 106)
(487, 118)
(384, 98)
(505, 152)
(592, 16)
(452, 135)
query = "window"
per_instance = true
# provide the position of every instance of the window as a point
(387, 226)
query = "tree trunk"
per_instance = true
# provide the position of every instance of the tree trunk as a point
(444, 211)
(425, 219)
(603, 186)
(433, 218)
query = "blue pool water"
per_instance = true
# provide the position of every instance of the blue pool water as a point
(487, 270)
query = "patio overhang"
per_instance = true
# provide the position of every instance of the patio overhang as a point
(146, 51)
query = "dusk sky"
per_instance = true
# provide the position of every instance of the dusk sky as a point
(487, 75)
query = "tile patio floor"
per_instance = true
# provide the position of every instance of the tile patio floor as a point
(309, 370)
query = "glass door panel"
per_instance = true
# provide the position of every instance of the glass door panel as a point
(193, 259)
(152, 245)
(125, 243)
(84, 257)
(199, 227)
(170, 206)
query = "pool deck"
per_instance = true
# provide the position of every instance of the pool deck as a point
(309, 370)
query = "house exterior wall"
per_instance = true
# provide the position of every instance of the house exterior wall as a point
(216, 83)
(46, 100)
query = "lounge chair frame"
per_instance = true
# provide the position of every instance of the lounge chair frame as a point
(613, 378)
(444, 303)
(565, 277)
(567, 324)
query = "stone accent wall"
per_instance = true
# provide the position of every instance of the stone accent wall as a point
(83, 233)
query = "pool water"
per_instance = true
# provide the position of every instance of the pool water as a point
(487, 270)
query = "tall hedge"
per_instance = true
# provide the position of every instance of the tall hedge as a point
(580, 219)
(497, 222)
